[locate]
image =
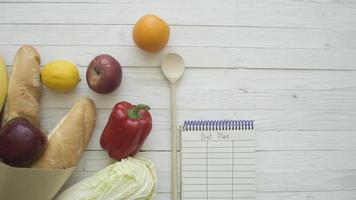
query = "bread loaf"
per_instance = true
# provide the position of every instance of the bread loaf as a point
(68, 140)
(25, 86)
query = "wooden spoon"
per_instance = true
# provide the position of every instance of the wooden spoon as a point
(172, 66)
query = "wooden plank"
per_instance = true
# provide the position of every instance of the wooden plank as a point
(242, 78)
(230, 80)
(312, 179)
(269, 120)
(191, 36)
(310, 195)
(267, 161)
(306, 140)
(307, 195)
(276, 13)
(205, 57)
(229, 98)
(233, 89)
(292, 161)
(306, 181)
(317, 90)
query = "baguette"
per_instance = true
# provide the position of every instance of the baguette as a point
(25, 87)
(68, 140)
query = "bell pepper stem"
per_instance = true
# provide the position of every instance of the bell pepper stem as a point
(134, 113)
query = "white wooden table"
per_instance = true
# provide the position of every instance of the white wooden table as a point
(288, 64)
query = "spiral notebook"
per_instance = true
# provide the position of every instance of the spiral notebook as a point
(218, 160)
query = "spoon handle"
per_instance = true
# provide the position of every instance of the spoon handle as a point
(174, 141)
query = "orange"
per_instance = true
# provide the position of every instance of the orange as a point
(151, 33)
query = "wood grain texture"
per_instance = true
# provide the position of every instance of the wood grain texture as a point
(64, 34)
(202, 57)
(288, 64)
(306, 181)
(276, 13)
(313, 195)
(317, 171)
(233, 89)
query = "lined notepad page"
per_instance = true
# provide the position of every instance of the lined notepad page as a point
(218, 165)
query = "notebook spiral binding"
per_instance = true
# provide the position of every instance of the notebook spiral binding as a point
(212, 125)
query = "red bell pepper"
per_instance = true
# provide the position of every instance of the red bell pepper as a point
(126, 130)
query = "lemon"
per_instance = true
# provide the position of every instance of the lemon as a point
(60, 75)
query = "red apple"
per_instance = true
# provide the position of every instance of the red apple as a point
(104, 74)
(21, 142)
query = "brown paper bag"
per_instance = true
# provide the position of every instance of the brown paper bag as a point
(31, 184)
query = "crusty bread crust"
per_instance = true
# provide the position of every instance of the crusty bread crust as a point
(69, 139)
(25, 86)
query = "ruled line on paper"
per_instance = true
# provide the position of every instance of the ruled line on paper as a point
(188, 184)
(219, 198)
(194, 181)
